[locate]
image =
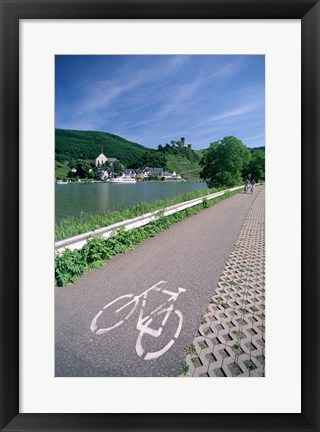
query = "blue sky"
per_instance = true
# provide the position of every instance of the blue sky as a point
(153, 99)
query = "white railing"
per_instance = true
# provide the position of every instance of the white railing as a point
(78, 241)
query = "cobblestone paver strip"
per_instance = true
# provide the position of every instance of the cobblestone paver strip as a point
(231, 338)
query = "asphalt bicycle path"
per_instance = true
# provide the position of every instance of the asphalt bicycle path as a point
(147, 331)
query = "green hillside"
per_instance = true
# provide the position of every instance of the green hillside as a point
(61, 170)
(188, 169)
(71, 145)
(86, 145)
(255, 149)
(199, 153)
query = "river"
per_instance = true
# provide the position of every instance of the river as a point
(74, 199)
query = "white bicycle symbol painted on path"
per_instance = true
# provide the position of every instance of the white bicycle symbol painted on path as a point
(144, 322)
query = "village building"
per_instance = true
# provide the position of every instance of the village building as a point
(156, 171)
(167, 175)
(141, 174)
(103, 174)
(129, 173)
(176, 176)
(102, 159)
(171, 176)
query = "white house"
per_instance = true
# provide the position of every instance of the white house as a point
(167, 175)
(171, 176)
(104, 175)
(176, 176)
(100, 160)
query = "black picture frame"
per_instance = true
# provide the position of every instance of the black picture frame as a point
(11, 12)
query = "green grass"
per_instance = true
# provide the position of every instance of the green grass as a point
(220, 302)
(184, 368)
(187, 169)
(72, 226)
(232, 282)
(250, 365)
(61, 170)
(192, 350)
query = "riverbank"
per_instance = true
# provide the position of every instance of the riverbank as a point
(71, 264)
(77, 200)
(84, 181)
(72, 226)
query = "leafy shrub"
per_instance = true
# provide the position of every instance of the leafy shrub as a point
(68, 267)
(205, 203)
(96, 249)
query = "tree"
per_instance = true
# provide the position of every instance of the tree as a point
(153, 159)
(106, 165)
(118, 168)
(82, 168)
(153, 177)
(257, 165)
(224, 161)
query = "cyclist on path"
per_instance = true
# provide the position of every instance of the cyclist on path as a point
(252, 184)
(246, 183)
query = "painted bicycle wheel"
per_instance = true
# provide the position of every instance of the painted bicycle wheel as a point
(170, 329)
(113, 314)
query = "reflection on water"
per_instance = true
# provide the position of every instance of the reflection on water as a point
(75, 199)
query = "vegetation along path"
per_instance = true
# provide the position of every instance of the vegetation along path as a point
(139, 314)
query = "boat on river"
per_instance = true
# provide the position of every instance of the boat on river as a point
(122, 180)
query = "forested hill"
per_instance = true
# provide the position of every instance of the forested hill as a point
(72, 145)
(254, 149)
